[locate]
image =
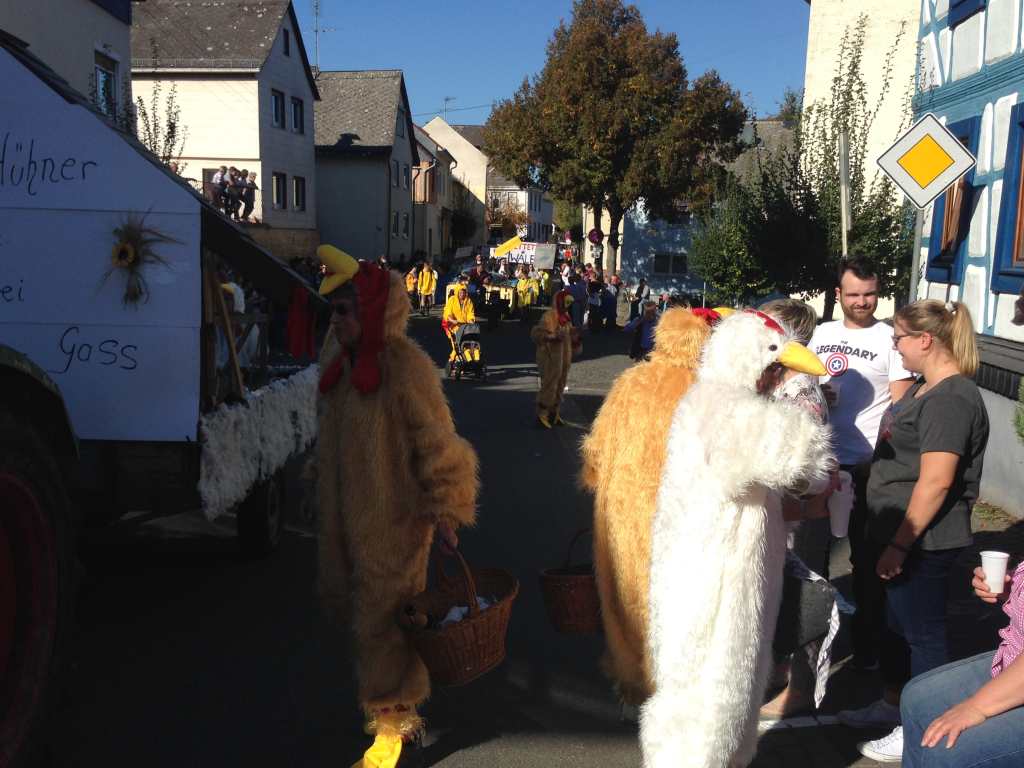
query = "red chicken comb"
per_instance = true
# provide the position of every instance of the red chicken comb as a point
(707, 314)
(769, 321)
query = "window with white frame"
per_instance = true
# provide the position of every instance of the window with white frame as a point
(277, 108)
(298, 193)
(298, 116)
(105, 75)
(280, 190)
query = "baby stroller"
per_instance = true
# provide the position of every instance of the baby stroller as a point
(468, 359)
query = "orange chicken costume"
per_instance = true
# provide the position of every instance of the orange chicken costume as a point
(391, 470)
(555, 338)
(622, 457)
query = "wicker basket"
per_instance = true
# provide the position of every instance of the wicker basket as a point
(462, 652)
(570, 594)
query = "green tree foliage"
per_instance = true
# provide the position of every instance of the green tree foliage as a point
(568, 217)
(613, 119)
(159, 124)
(789, 202)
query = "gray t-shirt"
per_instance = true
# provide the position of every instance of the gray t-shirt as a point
(950, 418)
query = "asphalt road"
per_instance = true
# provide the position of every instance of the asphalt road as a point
(189, 654)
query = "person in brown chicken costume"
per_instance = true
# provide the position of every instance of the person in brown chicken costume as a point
(392, 472)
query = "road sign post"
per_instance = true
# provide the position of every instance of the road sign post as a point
(924, 162)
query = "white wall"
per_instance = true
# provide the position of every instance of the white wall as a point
(125, 372)
(828, 22)
(352, 195)
(471, 168)
(282, 149)
(66, 35)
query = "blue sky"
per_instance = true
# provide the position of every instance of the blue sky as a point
(478, 51)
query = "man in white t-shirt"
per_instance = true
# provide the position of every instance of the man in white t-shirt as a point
(866, 376)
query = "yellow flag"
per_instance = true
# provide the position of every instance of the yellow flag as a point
(507, 246)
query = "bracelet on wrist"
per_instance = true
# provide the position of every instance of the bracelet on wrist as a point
(899, 547)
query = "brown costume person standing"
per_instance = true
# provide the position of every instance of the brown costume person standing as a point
(624, 451)
(392, 471)
(554, 340)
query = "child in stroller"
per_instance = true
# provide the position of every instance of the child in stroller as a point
(465, 339)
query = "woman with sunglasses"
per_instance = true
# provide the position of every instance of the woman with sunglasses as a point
(925, 476)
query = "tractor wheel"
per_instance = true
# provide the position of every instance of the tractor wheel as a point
(36, 589)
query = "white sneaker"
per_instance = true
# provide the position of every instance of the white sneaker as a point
(881, 714)
(888, 749)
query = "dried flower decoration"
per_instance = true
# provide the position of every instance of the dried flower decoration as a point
(134, 250)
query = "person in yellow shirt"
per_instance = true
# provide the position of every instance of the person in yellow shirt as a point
(458, 311)
(426, 285)
(411, 280)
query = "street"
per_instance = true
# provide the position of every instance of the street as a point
(188, 654)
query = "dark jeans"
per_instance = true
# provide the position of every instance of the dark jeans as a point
(915, 638)
(868, 590)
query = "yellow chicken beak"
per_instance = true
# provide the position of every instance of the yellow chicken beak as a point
(725, 311)
(797, 357)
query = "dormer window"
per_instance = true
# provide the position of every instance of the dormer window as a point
(287, 43)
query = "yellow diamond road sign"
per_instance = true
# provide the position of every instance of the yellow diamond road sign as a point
(926, 160)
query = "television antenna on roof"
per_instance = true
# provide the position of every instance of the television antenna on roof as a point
(446, 100)
(317, 29)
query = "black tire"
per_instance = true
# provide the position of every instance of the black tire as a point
(261, 517)
(37, 568)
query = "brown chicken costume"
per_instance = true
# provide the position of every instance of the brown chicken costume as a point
(622, 461)
(553, 336)
(391, 468)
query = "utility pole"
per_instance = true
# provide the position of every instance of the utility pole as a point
(446, 100)
(317, 29)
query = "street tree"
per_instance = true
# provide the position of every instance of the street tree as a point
(613, 120)
(158, 123)
(785, 206)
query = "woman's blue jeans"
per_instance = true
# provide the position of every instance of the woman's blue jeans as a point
(996, 743)
(914, 640)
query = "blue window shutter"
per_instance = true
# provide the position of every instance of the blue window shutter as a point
(961, 10)
(948, 267)
(1007, 278)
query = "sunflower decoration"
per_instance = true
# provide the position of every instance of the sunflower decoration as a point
(134, 248)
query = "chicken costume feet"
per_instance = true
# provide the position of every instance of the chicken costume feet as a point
(717, 553)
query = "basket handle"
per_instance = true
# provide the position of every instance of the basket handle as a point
(572, 544)
(447, 582)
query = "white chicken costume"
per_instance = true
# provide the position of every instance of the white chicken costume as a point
(718, 545)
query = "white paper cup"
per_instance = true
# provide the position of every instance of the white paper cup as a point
(840, 504)
(994, 566)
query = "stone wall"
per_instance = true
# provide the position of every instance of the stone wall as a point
(287, 244)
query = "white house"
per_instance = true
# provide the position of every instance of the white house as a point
(972, 78)
(365, 154)
(246, 93)
(87, 42)
(432, 197)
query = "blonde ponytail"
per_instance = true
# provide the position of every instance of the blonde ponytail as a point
(949, 322)
(962, 343)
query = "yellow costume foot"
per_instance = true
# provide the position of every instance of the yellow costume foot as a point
(557, 420)
(383, 753)
(543, 419)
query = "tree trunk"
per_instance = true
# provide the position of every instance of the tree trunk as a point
(611, 263)
(830, 304)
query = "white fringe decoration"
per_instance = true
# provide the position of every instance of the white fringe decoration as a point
(245, 443)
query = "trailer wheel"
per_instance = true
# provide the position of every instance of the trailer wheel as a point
(261, 516)
(36, 588)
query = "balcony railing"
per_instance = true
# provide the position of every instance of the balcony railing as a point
(246, 209)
